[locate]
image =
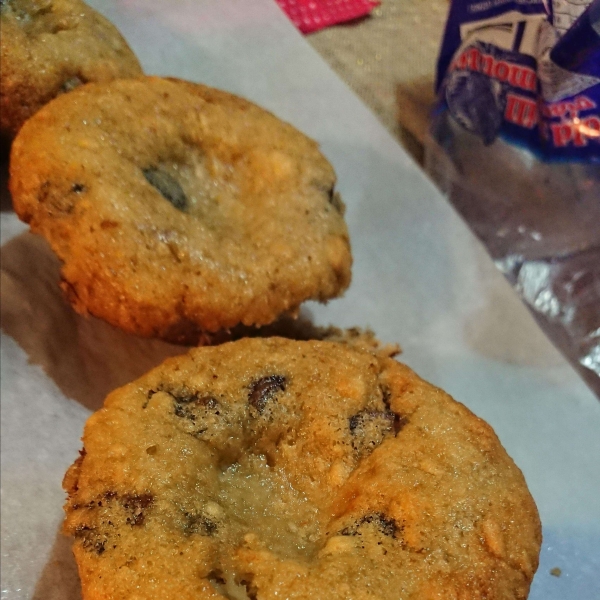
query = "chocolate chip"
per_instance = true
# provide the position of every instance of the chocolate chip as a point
(95, 536)
(386, 525)
(167, 186)
(135, 501)
(379, 419)
(193, 406)
(77, 188)
(136, 504)
(200, 524)
(184, 396)
(91, 540)
(265, 388)
(182, 412)
(369, 428)
(181, 396)
(98, 546)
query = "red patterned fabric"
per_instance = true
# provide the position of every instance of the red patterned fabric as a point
(312, 15)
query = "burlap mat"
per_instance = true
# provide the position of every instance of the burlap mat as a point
(389, 60)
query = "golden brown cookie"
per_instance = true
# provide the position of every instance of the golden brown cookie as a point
(177, 208)
(267, 468)
(49, 47)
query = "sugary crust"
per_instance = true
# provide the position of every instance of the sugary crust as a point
(48, 47)
(261, 229)
(270, 468)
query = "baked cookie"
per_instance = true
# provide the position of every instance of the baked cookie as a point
(177, 208)
(269, 468)
(52, 46)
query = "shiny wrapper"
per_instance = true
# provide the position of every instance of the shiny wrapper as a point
(515, 144)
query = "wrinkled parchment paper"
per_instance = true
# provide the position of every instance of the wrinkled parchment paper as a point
(420, 279)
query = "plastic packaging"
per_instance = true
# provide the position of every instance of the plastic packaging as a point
(515, 143)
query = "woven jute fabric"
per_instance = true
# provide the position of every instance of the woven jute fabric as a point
(389, 60)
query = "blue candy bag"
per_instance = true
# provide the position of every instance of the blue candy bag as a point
(505, 71)
(515, 143)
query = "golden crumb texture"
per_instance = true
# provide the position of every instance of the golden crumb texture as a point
(49, 47)
(177, 208)
(265, 469)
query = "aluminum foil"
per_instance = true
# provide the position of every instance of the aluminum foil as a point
(529, 187)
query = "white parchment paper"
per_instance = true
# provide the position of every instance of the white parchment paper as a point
(420, 279)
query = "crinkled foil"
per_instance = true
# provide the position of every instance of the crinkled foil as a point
(541, 224)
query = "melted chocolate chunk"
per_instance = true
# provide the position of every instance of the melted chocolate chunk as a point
(380, 420)
(195, 408)
(96, 535)
(369, 428)
(92, 541)
(264, 389)
(183, 396)
(136, 505)
(96, 545)
(200, 524)
(167, 186)
(386, 525)
(203, 412)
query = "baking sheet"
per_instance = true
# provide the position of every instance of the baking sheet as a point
(420, 278)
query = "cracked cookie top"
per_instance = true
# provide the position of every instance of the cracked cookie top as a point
(49, 47)
(267, 468)
(179, 209)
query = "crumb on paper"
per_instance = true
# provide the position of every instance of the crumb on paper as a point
(556, 572)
